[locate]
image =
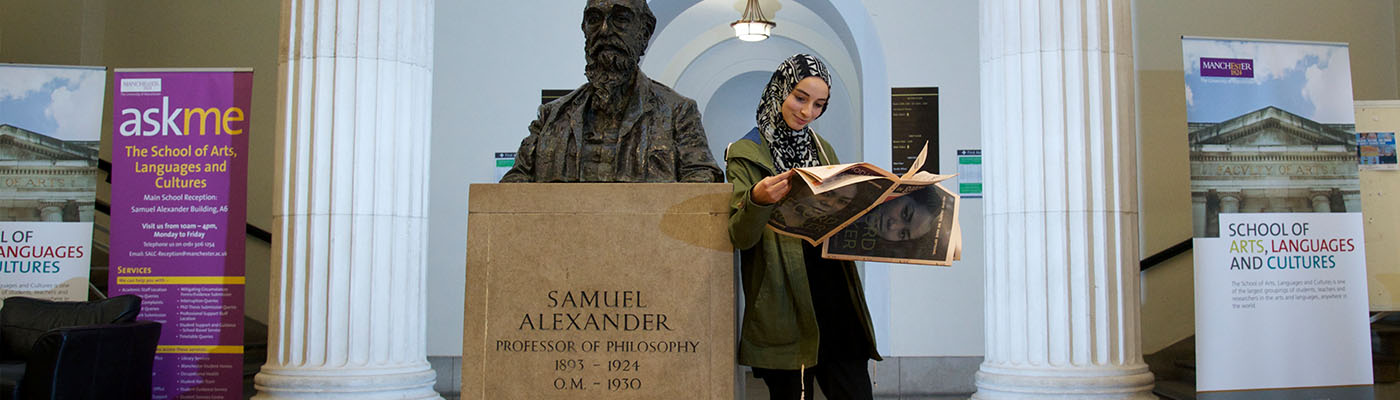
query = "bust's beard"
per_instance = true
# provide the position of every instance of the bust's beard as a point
(611, 76)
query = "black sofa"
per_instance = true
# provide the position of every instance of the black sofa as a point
(75, 350)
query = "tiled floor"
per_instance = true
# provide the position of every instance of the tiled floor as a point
(756, 391)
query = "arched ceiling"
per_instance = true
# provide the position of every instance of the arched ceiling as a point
(721, 12)
(685, 35)
(694, 51)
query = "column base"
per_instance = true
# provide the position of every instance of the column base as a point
(413, 382)
(1099, 382)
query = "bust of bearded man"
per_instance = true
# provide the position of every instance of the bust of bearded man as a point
(621, 126)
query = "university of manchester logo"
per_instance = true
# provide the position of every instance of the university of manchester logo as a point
(1227, 67)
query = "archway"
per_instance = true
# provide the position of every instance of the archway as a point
(695, 52)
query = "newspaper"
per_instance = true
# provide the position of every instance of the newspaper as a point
(919, 228)
(856, 203)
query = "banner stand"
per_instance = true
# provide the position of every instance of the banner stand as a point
(51, 124)
(1280, 266)
(179, 189)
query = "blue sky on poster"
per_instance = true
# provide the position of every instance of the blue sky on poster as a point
(1312, 80)
(60, 102)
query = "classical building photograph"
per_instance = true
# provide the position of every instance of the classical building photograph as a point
(1271, 161)
(46, 179)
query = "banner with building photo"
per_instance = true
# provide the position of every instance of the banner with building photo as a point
(50, 130)
(1276, 206)
(179, 187)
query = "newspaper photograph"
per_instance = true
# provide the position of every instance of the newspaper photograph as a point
(827, 198)
(918, 228)
(813, 217)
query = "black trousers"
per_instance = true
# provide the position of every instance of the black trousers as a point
(840, 380)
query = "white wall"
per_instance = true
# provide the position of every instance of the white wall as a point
(730, 112)
(839, 125)
(936, 311)
(487, 91)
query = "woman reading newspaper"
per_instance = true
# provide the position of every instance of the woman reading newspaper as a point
(804, 316)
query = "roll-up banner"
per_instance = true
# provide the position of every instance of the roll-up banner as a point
(1281, 299)
(179, 184)
(50, 130)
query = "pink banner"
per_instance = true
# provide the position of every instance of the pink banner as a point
(179, 184)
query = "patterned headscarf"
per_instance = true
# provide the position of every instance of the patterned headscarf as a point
(791, 149)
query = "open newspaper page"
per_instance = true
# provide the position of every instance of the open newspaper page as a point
(920, 227)
(814, 212)
(826, 198)
(827, 177)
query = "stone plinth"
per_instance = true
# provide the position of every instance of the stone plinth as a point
(612, 291)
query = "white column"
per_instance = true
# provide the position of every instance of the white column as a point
(1321, 200)
(51, 210)
(1198, 213)
(1061, 202)
(1352, 200)
(347, 301)
(85, 210)
(1230, 202)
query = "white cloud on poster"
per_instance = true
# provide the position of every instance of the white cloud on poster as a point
(77, 108)
(1271, 61)
(18, 82)
(1328, 87)
(1278, 62)
(1323, 69)
(1190, 97)
(71, 97)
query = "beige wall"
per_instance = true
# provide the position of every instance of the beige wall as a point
(41, 32)
(207, 33)
(1367, 25)
(168, 34)
(231, 33)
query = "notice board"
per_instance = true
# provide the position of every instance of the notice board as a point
(1380, 209)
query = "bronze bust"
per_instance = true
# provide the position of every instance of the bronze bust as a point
(621, 126)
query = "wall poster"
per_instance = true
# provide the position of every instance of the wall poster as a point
(914, 121)
(970, 173)
(1376, 151)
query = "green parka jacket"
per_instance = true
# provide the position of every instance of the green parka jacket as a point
(779, 330)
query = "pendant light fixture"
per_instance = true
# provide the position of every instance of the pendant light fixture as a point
(752, 26)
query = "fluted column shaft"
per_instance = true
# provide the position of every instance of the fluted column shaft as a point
(1321, 201)
(1061, 202)
(347, 301)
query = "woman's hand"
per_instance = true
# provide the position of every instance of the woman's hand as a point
(771, 189)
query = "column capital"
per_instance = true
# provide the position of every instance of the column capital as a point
(45, 203)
